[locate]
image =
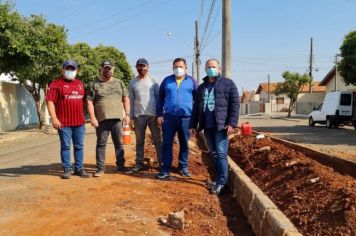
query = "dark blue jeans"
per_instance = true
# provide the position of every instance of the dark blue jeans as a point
(106, 127)
(141, 124)
(172, 125)
(217, 141)
(67, 135)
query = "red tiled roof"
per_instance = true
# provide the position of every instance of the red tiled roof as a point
(272, 87)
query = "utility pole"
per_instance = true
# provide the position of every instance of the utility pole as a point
(197, 52)
(336, 62)
(268, 89)
(311, 65)
(193, 69)
(226, 38)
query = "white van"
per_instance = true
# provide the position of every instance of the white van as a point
(337, 108)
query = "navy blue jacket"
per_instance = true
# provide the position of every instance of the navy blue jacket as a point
(174, 100)
(227, 104)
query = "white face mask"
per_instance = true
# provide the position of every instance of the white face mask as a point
(70, 74)
(178, 72)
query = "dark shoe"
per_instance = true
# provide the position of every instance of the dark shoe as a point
(211, 185)
(66, 174)
(163, 175)
(185, 172)
(137, 168)
(82, 173)
(217, 189)
(124, 170)
(98, 173)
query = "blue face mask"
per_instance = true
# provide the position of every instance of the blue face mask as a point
(212, 72)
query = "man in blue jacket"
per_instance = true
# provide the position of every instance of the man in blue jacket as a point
(216, 110)
(174, 108)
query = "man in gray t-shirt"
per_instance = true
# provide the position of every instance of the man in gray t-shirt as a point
(143, 93)
(106, 99)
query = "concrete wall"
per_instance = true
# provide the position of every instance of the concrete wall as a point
(8, 106)
(307, 101)
(27, 111)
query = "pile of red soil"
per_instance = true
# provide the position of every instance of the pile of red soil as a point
(316, 199)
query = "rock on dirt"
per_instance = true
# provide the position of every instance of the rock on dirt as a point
(176, 220)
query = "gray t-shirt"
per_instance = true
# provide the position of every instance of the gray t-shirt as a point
(143, 95)
(107, 98)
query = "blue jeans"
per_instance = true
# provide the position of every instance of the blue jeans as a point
(141, 124)
(171, 125)
(67, 135)
(217, 141)
(106, 127)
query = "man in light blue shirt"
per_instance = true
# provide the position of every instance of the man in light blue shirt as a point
(143, 94)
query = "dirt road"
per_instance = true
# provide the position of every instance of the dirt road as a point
(340, 142)
(35, 201)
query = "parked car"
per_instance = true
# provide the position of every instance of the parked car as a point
(338, 107)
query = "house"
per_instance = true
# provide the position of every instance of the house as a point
(247, 98)
(333, 82)
(306, 101)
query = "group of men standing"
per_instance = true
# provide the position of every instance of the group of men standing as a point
(176, 106)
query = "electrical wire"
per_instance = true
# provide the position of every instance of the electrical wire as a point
(111, 16)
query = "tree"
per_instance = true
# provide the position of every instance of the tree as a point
(291, 87)
(89, 60)
(347, 66)
(31, 50)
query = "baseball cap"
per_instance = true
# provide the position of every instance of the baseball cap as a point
(106, 63)
(142, 61)
(70, 63)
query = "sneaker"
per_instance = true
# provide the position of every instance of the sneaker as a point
(137, 168)
(124, 170)
(66, 174)
(163, 175)
(98, 173)
(217, 189)
(82, 173)
(185, 172)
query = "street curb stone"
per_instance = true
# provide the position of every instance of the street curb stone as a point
(263, 215)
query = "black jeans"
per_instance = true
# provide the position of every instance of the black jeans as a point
(113, 126)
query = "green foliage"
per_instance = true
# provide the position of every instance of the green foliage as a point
(291, 87)
(89, 60)
(347, 66)
(33, 50)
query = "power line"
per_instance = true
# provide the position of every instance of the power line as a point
(204, 44)
(113, 15)
(208, 20)
(75, 9)
(129, 18)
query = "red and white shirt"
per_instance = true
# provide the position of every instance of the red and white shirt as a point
(67, 97)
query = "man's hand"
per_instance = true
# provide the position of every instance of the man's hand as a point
(230, 129)
(132, 124)
(56, 124)
(127, 120)
(94, 122)
(159, 121)
(193, 132)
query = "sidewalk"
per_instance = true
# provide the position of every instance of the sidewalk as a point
(14, 135)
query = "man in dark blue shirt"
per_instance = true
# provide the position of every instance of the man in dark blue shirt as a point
(216, 110)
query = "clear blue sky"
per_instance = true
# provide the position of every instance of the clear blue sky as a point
(268, 36)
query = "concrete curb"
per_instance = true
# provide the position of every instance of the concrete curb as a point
(263, 215)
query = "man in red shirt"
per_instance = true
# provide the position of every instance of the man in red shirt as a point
(65, 105)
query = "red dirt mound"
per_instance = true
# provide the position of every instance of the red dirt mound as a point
(316, 199)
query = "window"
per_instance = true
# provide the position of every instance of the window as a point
(280, 100)
(345, 100)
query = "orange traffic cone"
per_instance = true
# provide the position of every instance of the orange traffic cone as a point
(126, 137)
